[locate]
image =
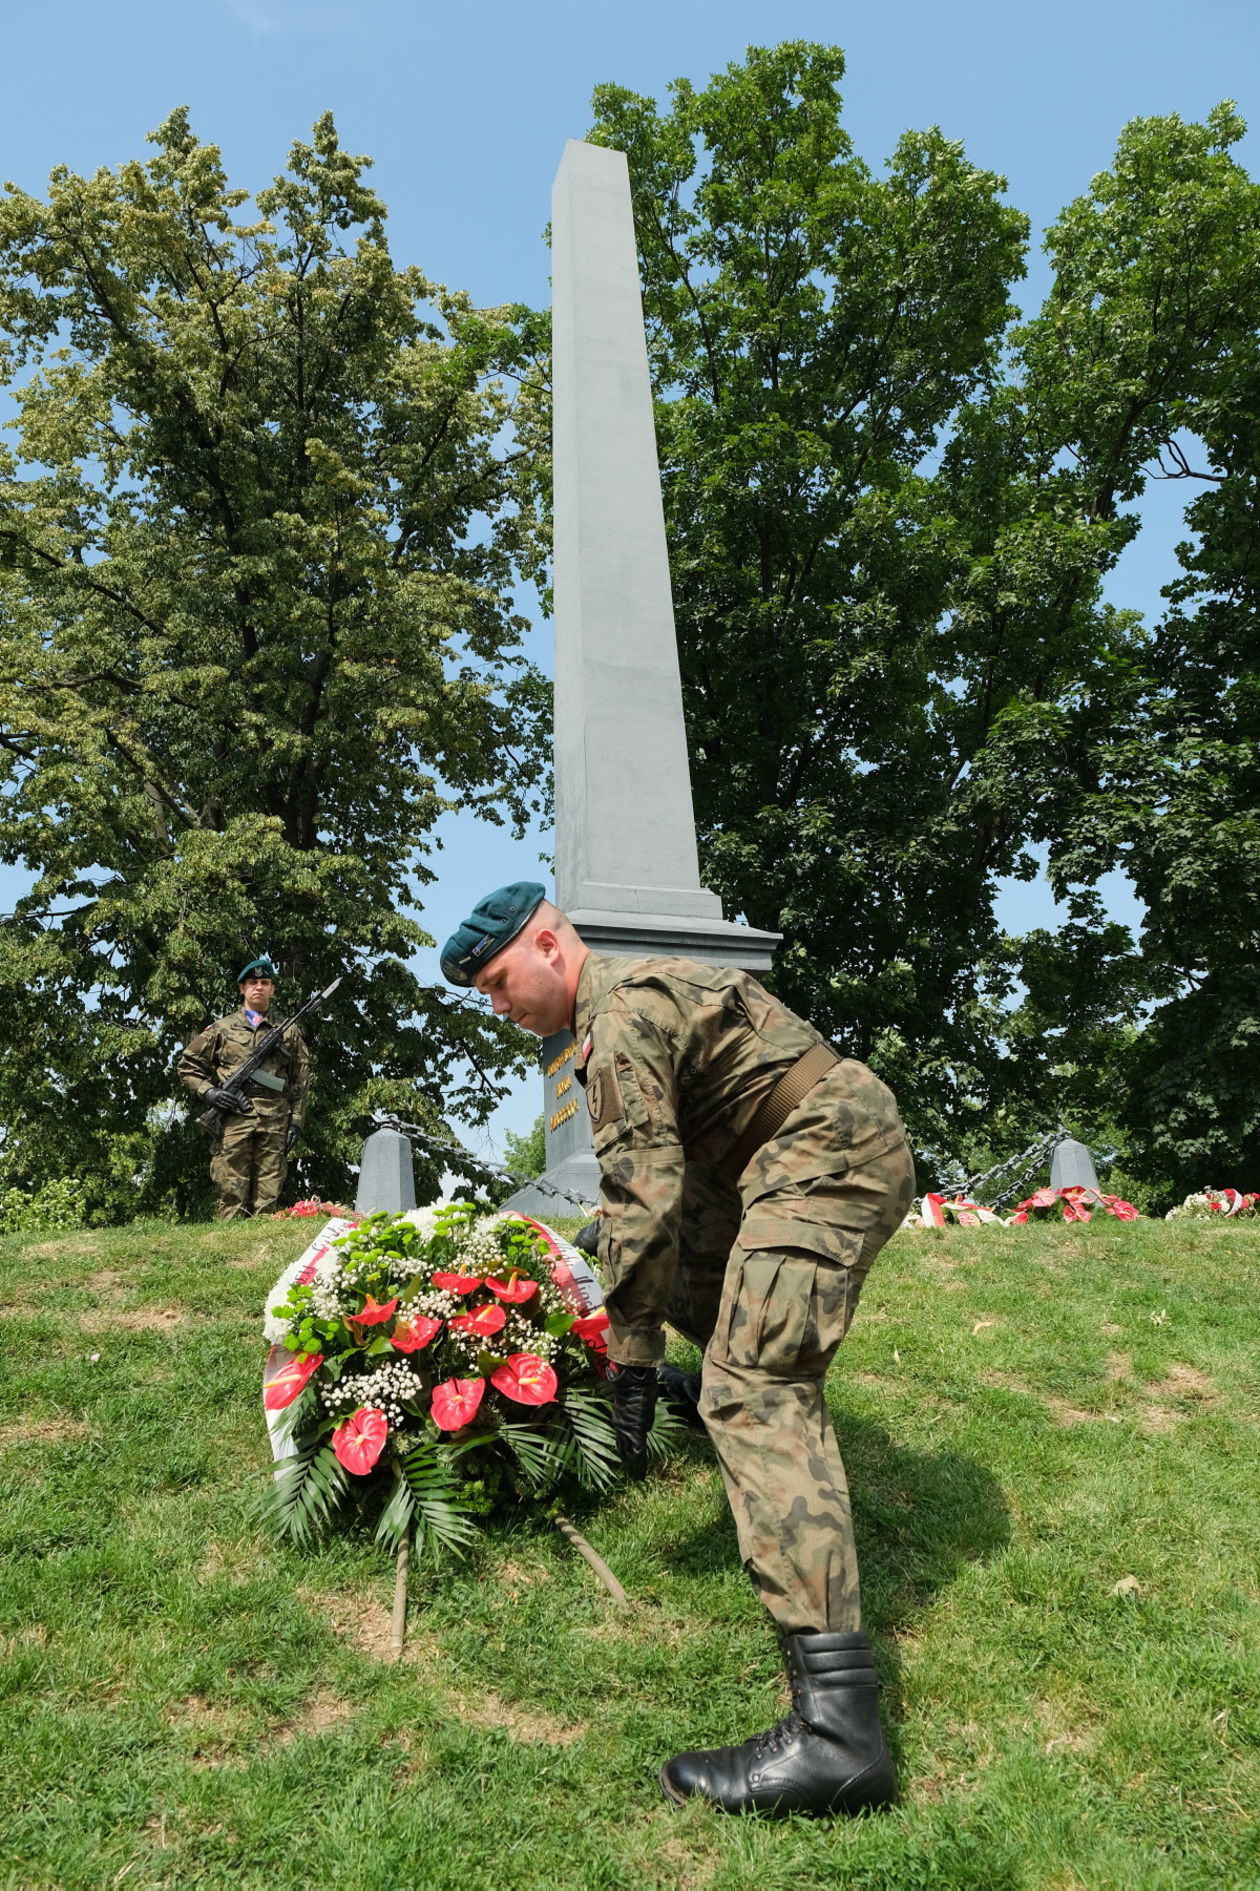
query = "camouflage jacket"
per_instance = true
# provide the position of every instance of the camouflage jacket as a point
(676, 1059)
(215, 1053)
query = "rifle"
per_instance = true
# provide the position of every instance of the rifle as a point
(213, 1120)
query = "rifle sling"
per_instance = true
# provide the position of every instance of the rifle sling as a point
(792, 1088)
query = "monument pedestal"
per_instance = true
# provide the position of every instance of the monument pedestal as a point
(571, 1163)
(714, 941)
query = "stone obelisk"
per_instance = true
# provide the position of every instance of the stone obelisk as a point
(627, 871)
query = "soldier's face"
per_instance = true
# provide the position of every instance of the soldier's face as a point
(527, 982)
(258, 993)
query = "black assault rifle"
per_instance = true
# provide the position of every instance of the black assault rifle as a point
(235, 1084)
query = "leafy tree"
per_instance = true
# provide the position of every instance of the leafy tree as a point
(255, 547)
(891, 513)
(526, 1155)
(1145, 365)
(815, 331)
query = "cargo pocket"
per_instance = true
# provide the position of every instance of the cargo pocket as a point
(785, 1313)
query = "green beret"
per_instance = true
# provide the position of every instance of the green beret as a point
(493, 923)
(264, 966)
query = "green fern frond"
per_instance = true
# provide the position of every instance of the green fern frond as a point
(668, 1431)
(308, 1488)
(443, 1517)
(592, 1453)
(397, 1517)
(541, 1460)
(295, 1426)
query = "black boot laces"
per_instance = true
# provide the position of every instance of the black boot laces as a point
(776, 1738)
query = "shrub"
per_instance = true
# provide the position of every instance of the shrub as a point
(60, 1204)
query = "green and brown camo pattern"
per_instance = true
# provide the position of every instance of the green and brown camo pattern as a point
(215, 1053)
(764, 1277)
(681, 1056)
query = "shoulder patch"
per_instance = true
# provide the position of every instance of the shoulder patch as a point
(603, 1098)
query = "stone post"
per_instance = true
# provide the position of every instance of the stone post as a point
(387, 1176)
(1072, 1165)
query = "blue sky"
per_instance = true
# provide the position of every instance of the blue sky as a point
(466, 108)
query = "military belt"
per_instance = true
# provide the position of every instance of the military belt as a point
(792, 1088)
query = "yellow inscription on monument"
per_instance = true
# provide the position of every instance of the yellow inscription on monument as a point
(563, 1058)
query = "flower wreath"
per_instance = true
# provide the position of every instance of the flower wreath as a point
(1225, 1202)
(428, 1367)
(1072, 1204)
(1048, 1204)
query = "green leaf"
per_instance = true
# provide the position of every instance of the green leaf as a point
(667, 1433)
(443, 1519)
(591, 1446)
(541, 1458)
(397, 1517)
(307, 1490)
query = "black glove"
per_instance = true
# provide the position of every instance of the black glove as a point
(291, 1135)
(634, 1390)
(587, 1239)
(681, 1393)
(224, 1100)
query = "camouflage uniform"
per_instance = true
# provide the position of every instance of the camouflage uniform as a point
(249, 1166)
(763, 1274)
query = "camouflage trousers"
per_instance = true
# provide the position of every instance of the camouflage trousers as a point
(249, 1167)
(769, 1322)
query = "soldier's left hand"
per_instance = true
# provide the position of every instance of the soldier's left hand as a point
(291, 1136)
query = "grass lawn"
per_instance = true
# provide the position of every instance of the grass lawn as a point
(1051, 1438)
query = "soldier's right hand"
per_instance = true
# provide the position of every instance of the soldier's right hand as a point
(231, 1105)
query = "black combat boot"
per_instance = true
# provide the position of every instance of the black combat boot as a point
(680, 1392)
(829, 1754)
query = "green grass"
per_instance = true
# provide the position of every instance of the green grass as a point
(1052, 1444)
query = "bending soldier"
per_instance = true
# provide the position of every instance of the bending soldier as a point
(748, 1178)
(250, 1164)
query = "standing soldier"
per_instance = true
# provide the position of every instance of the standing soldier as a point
(748, 1178)
(249, 1165)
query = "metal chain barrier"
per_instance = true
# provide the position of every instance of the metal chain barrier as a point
(477, 1168)
(1026, 1164)
(484, 1169)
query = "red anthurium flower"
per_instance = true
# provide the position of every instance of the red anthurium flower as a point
(289, 1381)
(593, 1328)
(409, 1336)
(359, 1442)
(455, 1402)
(527, 1379)
(515, 1290)
(483, 1322)
(457, 1283)
(373, 1312)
